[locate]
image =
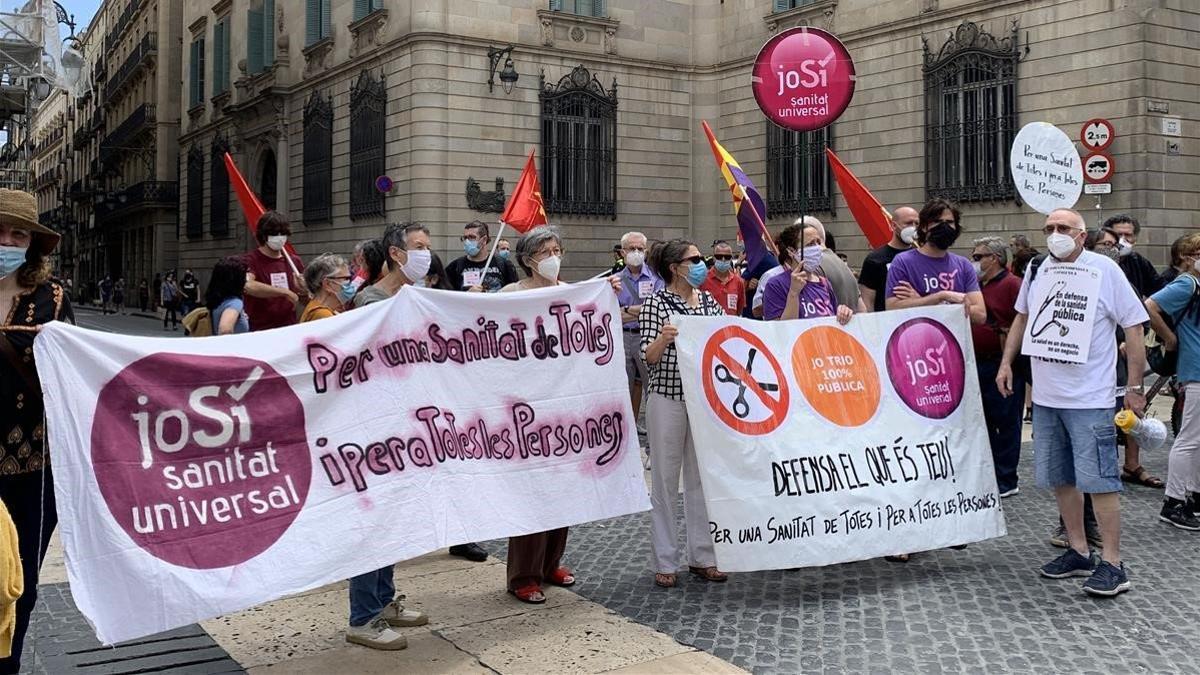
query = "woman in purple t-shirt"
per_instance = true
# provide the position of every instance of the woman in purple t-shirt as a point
(801, 292)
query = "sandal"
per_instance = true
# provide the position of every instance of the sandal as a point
(709, 574)
(900, 558)
(1140, 476)
(664, 580)
(531, 594)
(562, 577)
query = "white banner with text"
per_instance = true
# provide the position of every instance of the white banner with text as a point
(821, 444)
(201, 476)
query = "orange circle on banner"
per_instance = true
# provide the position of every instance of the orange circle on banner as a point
(837, 375)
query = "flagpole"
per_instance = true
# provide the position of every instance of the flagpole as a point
(495, 243)
(765, 232)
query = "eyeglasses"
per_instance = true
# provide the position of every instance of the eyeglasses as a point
(469, 237)
(1061, 228)
(338, 277)
(722, 257)
(1106, 244)
(693, 259)
(980, 256)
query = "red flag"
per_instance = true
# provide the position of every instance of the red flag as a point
(252, 208)
(873, 219)
(525, 209)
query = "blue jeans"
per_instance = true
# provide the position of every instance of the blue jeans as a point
(1076, 447)
(369, 594)
(1003, 417)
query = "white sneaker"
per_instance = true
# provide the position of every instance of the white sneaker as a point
(1010, 493)
(395, 614)
(376, 634)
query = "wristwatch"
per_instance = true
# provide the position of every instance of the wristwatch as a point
(1136, 389)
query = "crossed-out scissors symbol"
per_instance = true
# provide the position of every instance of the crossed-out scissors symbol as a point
(741, 408)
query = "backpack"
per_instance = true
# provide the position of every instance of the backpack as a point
(198, 323)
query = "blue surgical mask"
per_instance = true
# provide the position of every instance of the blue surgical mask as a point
(696, 274)
(347, 291)
(723, 265)
(11, 258)
(471, 247)
(503, 253)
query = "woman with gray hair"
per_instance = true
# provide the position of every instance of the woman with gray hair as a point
(539, 254)
(329, 285)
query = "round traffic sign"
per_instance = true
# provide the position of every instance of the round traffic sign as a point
(743, 382)
(1098, 167)
(803, 78)
(384, 184)
(1097, 134)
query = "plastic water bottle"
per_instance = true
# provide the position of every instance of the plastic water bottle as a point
(1150, 433)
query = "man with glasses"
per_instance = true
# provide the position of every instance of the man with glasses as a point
(638, 283)
(1001, 414)
(466, 272)
(1075, 441)
(723, 283)
(931, 274)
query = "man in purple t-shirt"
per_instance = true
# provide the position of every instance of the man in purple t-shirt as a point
(930, 274)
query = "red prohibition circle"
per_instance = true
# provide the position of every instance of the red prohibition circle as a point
(1107, 175)
(1091, 146)
(714, 353)
(803, 79)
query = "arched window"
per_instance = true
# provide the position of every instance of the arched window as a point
(195, 193)
(970, 115)
(318, 167)
(579, 145)
(798, 177)
(218, 190)
(368, 110)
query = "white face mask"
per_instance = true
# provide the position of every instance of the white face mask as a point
(418, 265)
(908, 235)
(1060, 245)
(548, 268)
(635, 258)
(978, 268)
(1124, 248)
(277, 242)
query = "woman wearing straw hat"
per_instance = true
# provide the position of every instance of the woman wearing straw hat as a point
(28, 299)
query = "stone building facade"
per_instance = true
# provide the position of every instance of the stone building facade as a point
(317, 98)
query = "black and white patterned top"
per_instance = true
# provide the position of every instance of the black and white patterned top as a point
(656, 311)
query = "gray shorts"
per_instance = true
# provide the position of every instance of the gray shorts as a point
(635, 367)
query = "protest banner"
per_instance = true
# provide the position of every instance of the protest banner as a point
(204, 476)
(822, 444)
(1063, 302)
(1046, 167)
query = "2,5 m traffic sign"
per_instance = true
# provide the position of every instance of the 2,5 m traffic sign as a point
(1097, 134)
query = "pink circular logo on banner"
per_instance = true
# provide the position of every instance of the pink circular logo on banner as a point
(203, 460)
(926, 366)
(803, 79)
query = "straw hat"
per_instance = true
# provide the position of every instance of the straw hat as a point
(19, 209)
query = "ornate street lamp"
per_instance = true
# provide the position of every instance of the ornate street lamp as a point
(508, 75)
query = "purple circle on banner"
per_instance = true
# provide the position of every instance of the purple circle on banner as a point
(803, 79)
(202, 460)
(926, 367)
(384, 184)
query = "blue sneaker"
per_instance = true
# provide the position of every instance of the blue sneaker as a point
(1108, 580)
(1069, 564)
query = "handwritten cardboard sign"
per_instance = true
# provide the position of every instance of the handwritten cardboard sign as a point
(880, 448)
(203, 476)
(1062, 311)
(1046, 167)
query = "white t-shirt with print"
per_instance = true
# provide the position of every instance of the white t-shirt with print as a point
(1093, 384)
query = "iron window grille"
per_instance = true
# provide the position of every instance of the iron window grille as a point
(798, 177)
(218, 190)
(195, 193)
(971, 115)
(579, 145)
(368, 110)
(318, 163)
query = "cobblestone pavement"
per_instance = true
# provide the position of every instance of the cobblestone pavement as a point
(984, 608)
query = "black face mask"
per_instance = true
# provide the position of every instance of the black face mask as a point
(942, 236)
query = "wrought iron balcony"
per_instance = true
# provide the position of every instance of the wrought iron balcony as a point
(54, 138)
(147, 194)
(139, 121)
(122, 25)
(140, 56)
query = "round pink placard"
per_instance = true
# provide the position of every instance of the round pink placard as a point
(803, 79)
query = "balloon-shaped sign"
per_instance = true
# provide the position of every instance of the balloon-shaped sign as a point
(1046, 167)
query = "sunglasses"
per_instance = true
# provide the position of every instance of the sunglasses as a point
(723, 257)
(694, 259)
(1061, 229)
(980, 256)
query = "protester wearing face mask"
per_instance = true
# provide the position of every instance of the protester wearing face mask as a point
(407, 246)
(931, 274)
(723, 282)
(29, 298)
(330, 285)
(504, 249)
(466, 273)
(672, 451)
(872, 280)
(803, 292)
(539, 254)
(1180, 301)
(1001, 414)
(833, 268)
(436, 278)
(638, 282)
(1074, 436)
(1138, 270)
(272, 288)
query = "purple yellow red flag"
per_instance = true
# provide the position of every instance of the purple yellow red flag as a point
(748, 205)
(872, 218)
